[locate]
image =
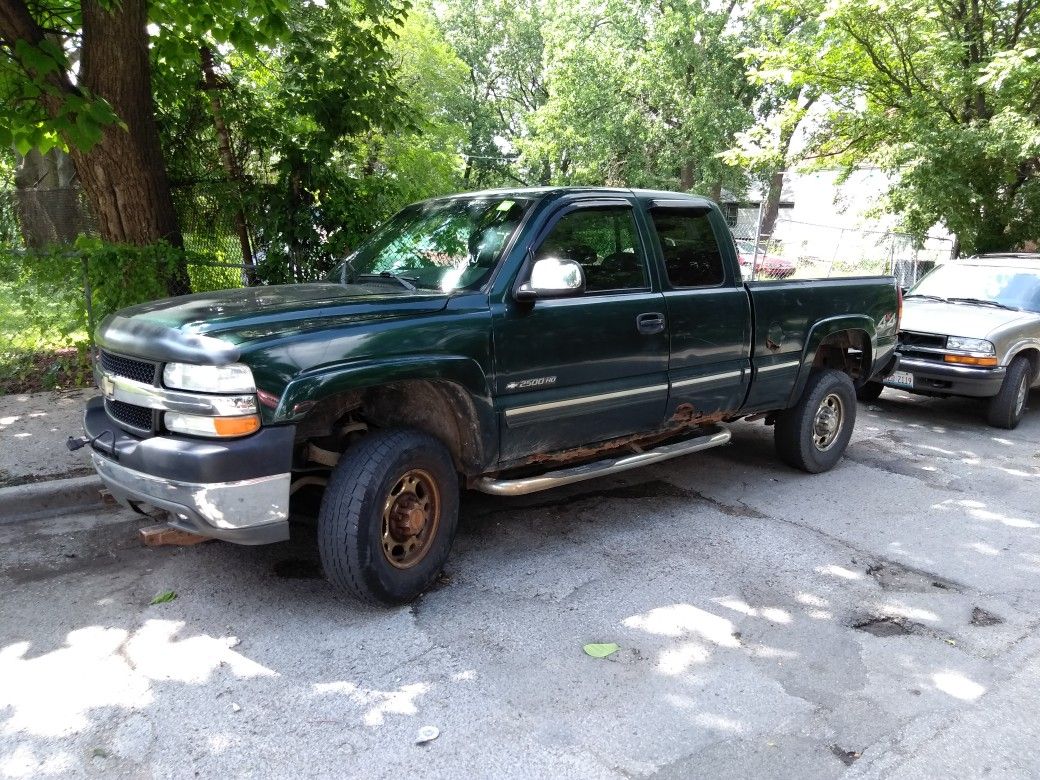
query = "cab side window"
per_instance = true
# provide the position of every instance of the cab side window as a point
(605, 243)
(691, 252)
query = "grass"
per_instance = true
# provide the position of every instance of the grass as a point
(35, 355)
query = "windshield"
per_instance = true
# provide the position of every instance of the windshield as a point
(440, 245)
(1016, 288)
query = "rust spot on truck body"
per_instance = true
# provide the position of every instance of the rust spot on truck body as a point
(684, 421)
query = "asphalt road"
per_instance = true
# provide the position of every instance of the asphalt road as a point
(879, 620)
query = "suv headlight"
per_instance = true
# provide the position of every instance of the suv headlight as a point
(235, 378)
(962, 344)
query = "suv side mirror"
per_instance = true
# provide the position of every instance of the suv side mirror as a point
(552, 277)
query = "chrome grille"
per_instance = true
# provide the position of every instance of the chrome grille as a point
(139, 370)
(138, 419)
(922, 346)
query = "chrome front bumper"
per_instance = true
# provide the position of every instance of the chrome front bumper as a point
(252, 511)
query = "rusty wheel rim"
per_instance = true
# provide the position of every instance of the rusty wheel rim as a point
(827, 424)
(411, 516)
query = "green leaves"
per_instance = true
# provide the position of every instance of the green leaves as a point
(940, 97)
(163, 598)
(601, 650)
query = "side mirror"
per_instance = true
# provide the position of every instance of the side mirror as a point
(552, 277)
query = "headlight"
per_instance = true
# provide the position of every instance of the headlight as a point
(970, 345)
(234, 378)
(196, 425)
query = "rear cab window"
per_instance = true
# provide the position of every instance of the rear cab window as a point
(691, 253)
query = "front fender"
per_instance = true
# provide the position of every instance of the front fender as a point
(313, 386)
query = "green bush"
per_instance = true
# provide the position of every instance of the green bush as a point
(45, 328)
(51, 284)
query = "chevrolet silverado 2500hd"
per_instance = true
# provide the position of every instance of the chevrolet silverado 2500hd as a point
(505, 341)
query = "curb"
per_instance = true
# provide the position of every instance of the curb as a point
(39, 500)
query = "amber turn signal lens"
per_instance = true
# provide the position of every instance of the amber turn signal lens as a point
(236, 426)
(966, 360)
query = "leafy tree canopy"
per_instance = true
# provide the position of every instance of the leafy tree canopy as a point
(945, 95)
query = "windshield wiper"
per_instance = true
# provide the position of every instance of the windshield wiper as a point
(405, 281)
(983, 302)
(929, 297)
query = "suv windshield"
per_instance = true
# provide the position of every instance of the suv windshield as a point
(439, 245)
(1015, 288)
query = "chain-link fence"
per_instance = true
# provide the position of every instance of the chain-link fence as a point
(213, 225)
(798, 249)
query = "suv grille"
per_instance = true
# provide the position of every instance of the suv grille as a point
(137, 417)
(138, 370)
(922, 346)
(910, 339)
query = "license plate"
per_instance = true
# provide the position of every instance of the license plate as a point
(901, 378)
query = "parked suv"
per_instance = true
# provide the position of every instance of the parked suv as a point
(972, 328)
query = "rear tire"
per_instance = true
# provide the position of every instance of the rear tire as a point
(869, 391)
(813, 434)
(388, 516)
(1008, 406)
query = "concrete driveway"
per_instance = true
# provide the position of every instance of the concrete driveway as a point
(879, 620)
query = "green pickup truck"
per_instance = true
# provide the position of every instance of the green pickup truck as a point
(506, 341)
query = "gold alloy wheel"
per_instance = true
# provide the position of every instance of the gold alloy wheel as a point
(411, 517)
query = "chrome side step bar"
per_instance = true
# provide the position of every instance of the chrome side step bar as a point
(601, 468)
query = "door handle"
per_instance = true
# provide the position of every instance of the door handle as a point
(650, 323)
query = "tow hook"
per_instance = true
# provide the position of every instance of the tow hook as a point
(78, 442)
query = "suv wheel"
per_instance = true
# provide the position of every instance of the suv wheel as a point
(813, 434)
(389, 516)
(1007, 407)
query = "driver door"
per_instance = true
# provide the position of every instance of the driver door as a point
(578, 370)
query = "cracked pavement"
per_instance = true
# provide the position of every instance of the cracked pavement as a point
(879, 620)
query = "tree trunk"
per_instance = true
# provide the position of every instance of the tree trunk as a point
(124, 175)
(686, 174)
(772, 207)
(211, 84)
(716, 192)
(776, 181)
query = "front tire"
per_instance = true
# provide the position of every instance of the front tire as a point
(813, 434)
(389, 516)
(1008, 406)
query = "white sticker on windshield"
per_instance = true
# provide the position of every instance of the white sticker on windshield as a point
(505, 205)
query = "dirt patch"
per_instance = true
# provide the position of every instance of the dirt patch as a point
(980, 617)
(847, 757)
(894, 576)
(31, 372)
(886, 626)
(9, 481)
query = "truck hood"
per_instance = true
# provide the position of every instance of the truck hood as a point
(208, 327)
(921, 315)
